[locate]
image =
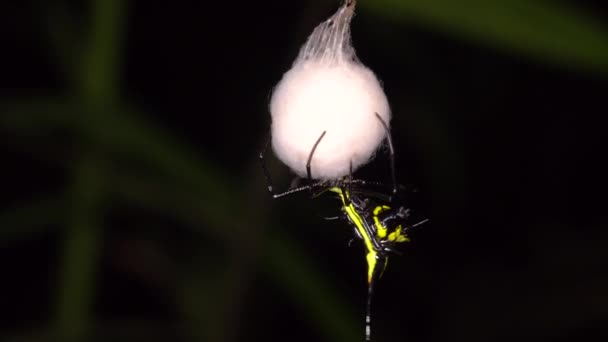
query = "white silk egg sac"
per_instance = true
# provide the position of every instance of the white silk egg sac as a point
(328, 92)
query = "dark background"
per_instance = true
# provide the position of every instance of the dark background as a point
(133, 208)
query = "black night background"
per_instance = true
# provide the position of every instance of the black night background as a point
(133, 206)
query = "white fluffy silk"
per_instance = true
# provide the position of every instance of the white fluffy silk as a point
(328, 90)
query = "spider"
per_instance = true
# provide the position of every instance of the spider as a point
(368, 209)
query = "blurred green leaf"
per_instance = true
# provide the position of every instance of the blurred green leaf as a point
(101, 60)
(29, 219)
(123, 133)
(83, 236)
(545, 30)
(80, 249)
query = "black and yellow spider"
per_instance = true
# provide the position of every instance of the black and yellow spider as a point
(369, 210)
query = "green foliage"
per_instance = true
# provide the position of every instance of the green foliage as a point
(548, 31)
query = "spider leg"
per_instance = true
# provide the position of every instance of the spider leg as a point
(415, 224)
(401, 214)
(312, 152)
(350, 180)
(391, 150)
(262, 158)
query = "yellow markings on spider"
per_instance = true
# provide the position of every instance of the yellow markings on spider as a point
(380, 228)
(364, 229)
(398, 235)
